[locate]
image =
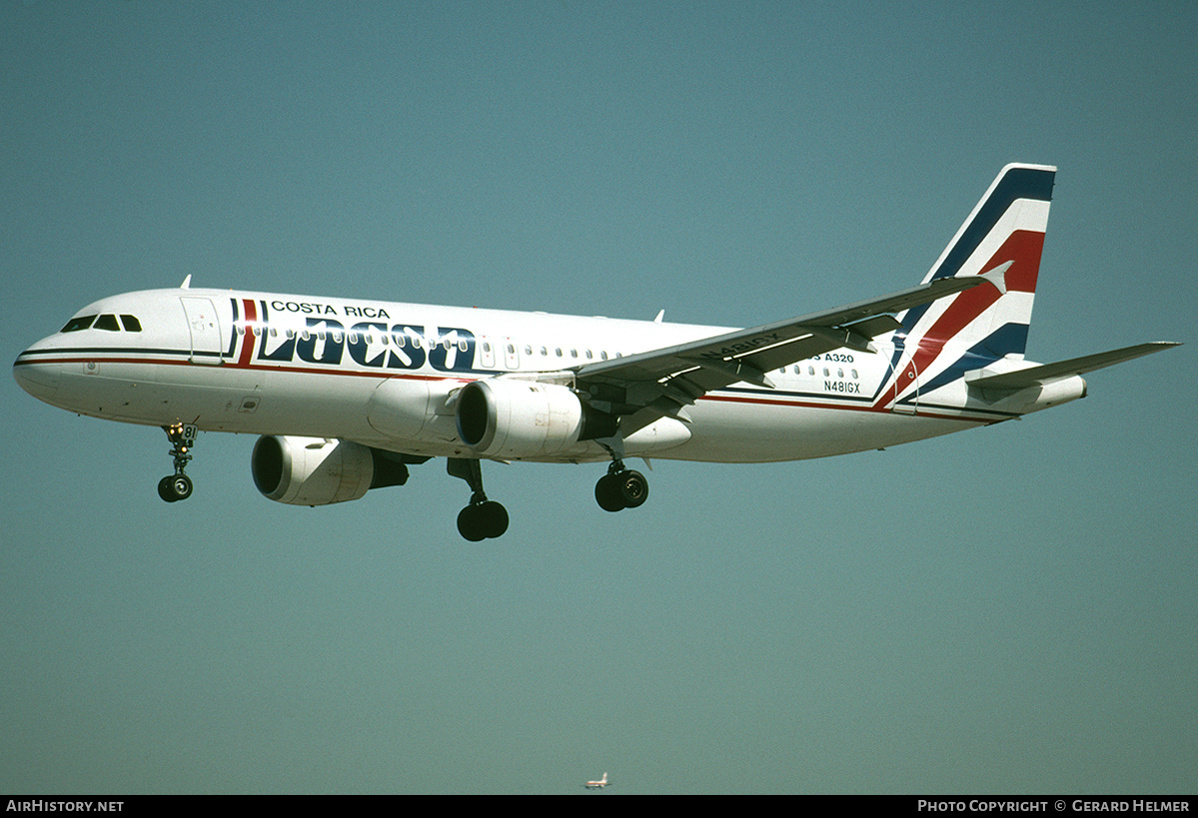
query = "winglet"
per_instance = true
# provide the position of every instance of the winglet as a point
(186, 285)
(998, 276)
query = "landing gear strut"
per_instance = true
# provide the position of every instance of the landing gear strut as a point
(621, 488)
(483, 518)
(177, 486)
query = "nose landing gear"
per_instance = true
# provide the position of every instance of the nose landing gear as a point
(177, 486)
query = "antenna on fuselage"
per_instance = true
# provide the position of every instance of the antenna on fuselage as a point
(186, 285)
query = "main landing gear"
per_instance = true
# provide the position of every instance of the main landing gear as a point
(483, 518)
(177, 486)
(621, 488)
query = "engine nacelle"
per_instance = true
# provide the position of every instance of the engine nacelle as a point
(316, 471)
(513, 419)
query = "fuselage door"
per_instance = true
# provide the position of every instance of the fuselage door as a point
(906, 386)
(486, 353)
(204, 326)
(511, 355)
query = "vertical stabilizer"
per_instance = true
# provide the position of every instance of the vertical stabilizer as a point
(1008, 224)
(939, 341)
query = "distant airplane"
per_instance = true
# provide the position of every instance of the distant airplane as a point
(596, 785)
(347, 393)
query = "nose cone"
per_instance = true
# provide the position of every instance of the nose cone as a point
(38, 378)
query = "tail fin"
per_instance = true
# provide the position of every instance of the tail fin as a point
(1001, 239)
(1007, 225)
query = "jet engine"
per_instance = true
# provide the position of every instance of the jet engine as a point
(316, 471)
(513, 419)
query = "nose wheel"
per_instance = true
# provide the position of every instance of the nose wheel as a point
(621, 488)
(178, 486)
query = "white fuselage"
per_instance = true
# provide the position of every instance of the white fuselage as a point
(384, 374)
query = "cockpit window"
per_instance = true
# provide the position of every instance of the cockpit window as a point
(107, 322)
(81, 322)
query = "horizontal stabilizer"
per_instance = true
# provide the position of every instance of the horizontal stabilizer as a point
(1036, 375)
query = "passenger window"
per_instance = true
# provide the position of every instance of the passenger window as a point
(76, 324)
(131, 323)
(107, 322)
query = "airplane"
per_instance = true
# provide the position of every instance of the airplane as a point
(597, 785)
(346, 393)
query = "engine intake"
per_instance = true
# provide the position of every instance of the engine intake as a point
(316, 471)
(517, 420)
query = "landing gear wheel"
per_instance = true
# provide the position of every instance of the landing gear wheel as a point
(166, 491)
(485, 520)
(634, 488)
(621, 488)
(607, 493)
(181, 486)
(495, 519)
(175, 487)
(470, 525)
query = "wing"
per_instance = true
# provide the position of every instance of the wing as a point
(643, 387)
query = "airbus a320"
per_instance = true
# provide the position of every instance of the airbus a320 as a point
(347, 394)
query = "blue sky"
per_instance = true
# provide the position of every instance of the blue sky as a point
(1006, 610)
